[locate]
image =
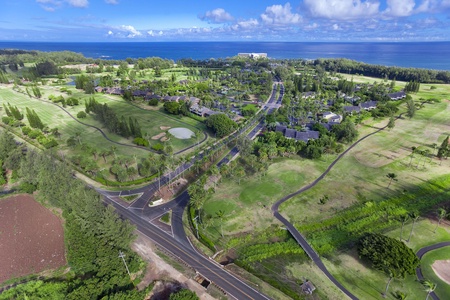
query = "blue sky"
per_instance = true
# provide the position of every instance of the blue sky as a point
(215, 20)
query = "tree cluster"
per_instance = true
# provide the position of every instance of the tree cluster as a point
(221, 124)
(109, 118)
(388, 255)
(412, 86)
(33, 119)
(13, 112)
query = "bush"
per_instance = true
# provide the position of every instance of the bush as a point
(158, 147)
(26, 130)
(141, 142)
(81, 115)
(27, 187)
(153, 102)
(34, 134)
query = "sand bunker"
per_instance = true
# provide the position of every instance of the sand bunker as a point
(164, 127)
(182, 133)
(158, 136)
(442, 270)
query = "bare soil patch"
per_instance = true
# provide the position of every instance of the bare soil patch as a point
(164, 139)
(164, 127)
(158, 270)
(158, 136)
(31, 238)
(442, 269)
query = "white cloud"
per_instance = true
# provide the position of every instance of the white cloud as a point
(78, 3)
(336, 27)
(245, 25)
(280, 15)
(401, 8)
(132, 32)
(342, 9)
(114, 2)
(218, 15)
(49, 8)
(154, 33)
(110, 32)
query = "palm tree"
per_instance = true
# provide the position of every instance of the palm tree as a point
(392, 275)
(442, 213)
(414, 216)
(429, 287)
(400, 295)
(78, 136)
(412, 155)
(220, 214)
(391, 176)
(403, 219)
(113, 150)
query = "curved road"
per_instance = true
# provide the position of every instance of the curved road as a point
(298, 236)
(424, 251)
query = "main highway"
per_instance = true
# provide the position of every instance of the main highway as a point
(175, 241)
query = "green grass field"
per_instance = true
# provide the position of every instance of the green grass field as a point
(443, 288)
(359, 178)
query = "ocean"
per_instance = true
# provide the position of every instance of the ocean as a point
(426, 55)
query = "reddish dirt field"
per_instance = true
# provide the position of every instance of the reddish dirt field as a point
(31, 238)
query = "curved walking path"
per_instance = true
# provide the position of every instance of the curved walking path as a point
(298, 236)
(424, 251)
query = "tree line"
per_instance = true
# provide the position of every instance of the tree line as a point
(109, 118)
(343, 65)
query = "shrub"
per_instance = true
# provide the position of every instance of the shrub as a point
(141, 142)
(81, 115)
(158, 147)
(34, 134)
(27, 187)
(153, 102)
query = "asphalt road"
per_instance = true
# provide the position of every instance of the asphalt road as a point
(179, 246)
(140, 214)
(421, 253)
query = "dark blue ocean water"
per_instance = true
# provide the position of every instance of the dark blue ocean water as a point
(428, 55)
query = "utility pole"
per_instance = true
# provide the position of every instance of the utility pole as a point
(122, 256)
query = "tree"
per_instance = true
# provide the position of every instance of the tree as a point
(444, 150)
(403, 219)
(81, 115)
(388, 255)
(429, 286)
(413, 150)
(220, 214)
(414, 216)
(184, 294)
(391, 123)
(221, 124)
(7, 144)
(172, 107)
(410, 108)
(442, 214)
(345, 132)
(391, 176)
